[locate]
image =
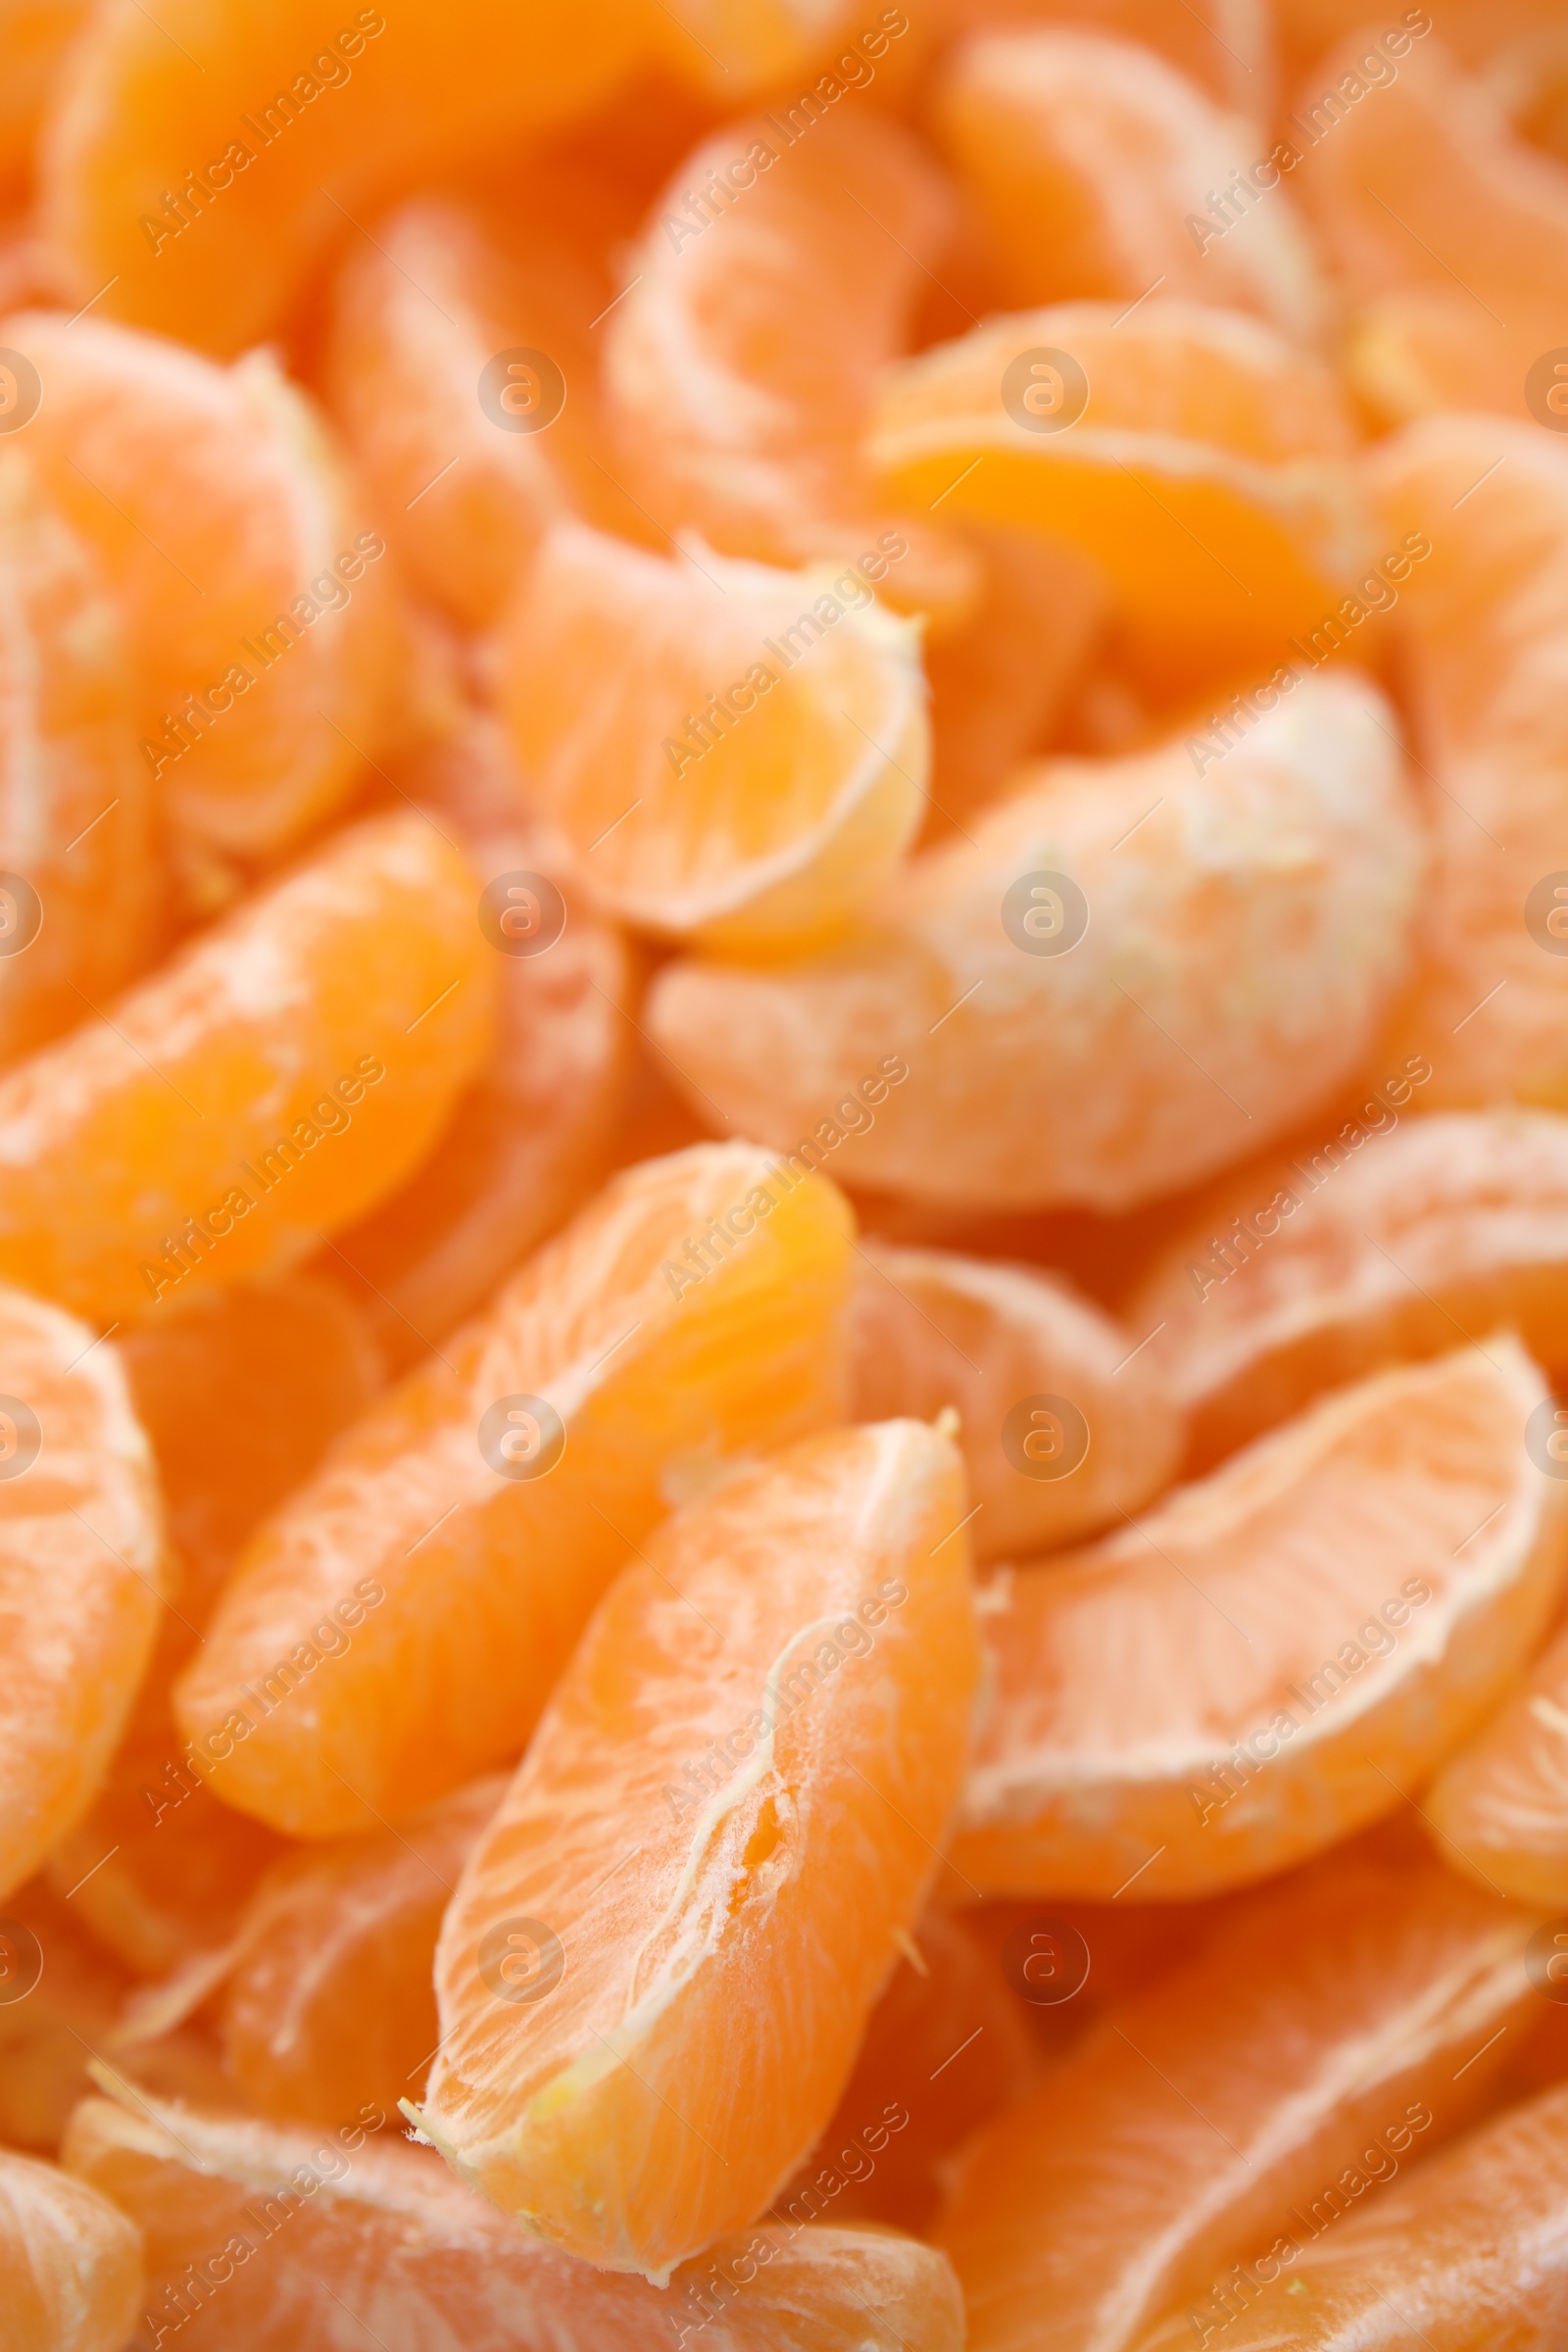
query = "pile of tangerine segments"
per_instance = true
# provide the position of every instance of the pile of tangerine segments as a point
(783, 1176)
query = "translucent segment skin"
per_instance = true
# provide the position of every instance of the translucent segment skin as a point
(1499, 1809)
(714, 1989)
(69, 2262)
(472, 1584)
(930, 1329)
(1258, 914)
(1313, 2047)
(1469, 2255)
(336, 1014)
(1085, 155)
(1484, 625)
(330, 2007)
(315, 2224)
(83, 1573)
(1392, 1238)
(1316, 1682)
(251, 582)
(74, 792)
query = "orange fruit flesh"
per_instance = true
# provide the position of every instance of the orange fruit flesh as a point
(708, 1854)
(1243, 2102)
(73, 793)
(83, 1573)
(329, 2008)
(1236, 70)
(1469, 2253)
(270, 1083)
(726, 751)
(1316, 1682)
(1392, 1239)
(1199, 995)
(657, 1372)
(319, 2222)
(1498, 1808)
(34, 35)
(257, 607)
(1203, 470)
(930, 1329)
(70, 2260)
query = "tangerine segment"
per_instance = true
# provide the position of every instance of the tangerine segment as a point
(725, 1819)
(1226, 46)
(1499, 1807)
(70, 2260)
(418, 316)
(1060, 1431)
(1297, 1639)
(76, 857)
(1469, 2256)
(1240, 2104)
(1485, 626)
(84, 1572)
(1086, 158)
(1194, 455)
(182, 171)
(1386, 1240)
(774, 280)
(440, 1565)
(258, 611)
(384, 2230)
(269, 1084)
(34, 35)
(329, 2008)
(729, 753)
(1120, 980)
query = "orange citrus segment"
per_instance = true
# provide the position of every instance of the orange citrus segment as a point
(1193, 454)
(1295, 1639)
(1386, 1240)
(1499, 1807)
(1124, 975)
(329, 2007)
(82, 1572)
(441, 1564)
(1060, 1433)
(1486, 628)
(726, 751)
(773, 281)
(764, 1728)
(1234, 2105)
(34, 35)
(1225, 45)
(1088, 159)
(269, 1084)
(250, 581)
(335, 2222)
(70, 2262)
(76, 871)
(1470, 2255)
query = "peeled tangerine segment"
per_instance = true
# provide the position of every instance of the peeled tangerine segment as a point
(775, 277)
(728, 1814)
(1238, 2110)
(1472, 2251)
(329, 2007)
(435, 1573)
(727, 752)
(1123, 977)
(1499, 1807)
(264, 2234)
(70, 2262)
(1060, 1431)
(82, 1572)
(1486, 631)
(1197, 456)
(1271, 1656)
(76, 876)
(250, 585)
(270, 1083)
(1087, 159)
(1391, 1238)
